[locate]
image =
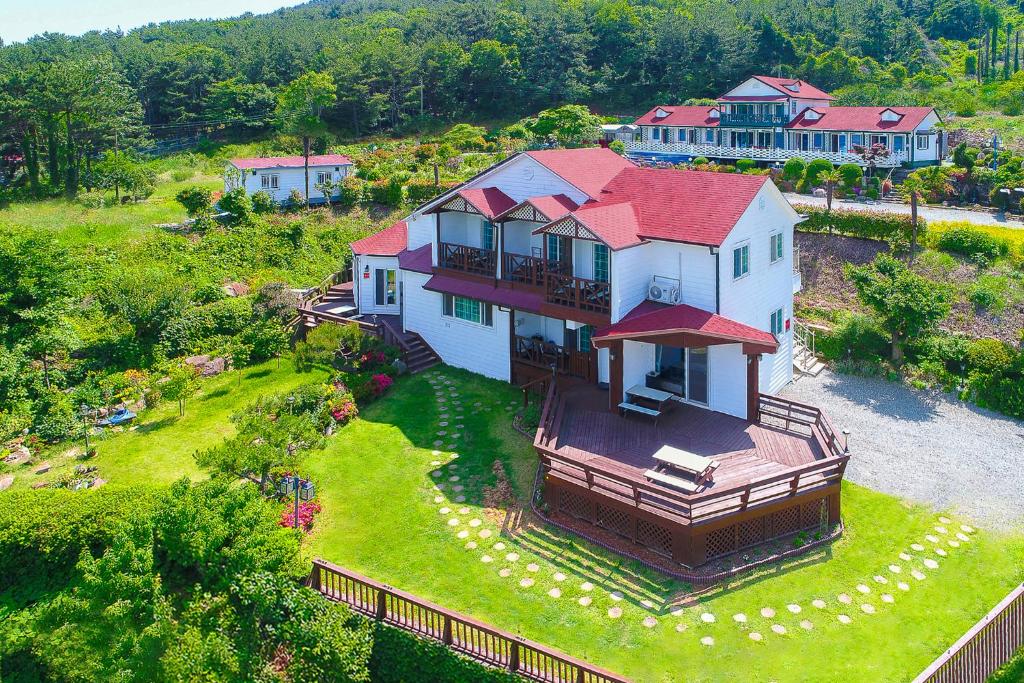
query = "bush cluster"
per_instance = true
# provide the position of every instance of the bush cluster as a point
(972, 242)
(874, 225)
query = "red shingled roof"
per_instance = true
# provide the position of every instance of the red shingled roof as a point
(803, 90)
(388, 242)
(588, 169)
(651, 319)
(484, 291)
(489, 201)
(291, 162)
(615, 224)
(862, 119)
(551, 206)
(418, 260)
(679, 116)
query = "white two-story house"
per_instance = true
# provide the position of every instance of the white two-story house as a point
(579, 263)
(279, 176)
(773, 119)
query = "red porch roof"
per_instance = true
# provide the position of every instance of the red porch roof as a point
(489, 201)
(417, 260)
(388, 242)
(651, 319)
(679, 116)
(794, 87)
(484, 291)
(550, 206)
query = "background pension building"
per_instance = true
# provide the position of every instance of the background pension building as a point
(773, 119)
(279, 176)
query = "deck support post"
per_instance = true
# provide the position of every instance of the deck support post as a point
(753, 387)
(614, 375)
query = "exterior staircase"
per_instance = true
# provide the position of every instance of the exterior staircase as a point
(805, 358)
(419, 355)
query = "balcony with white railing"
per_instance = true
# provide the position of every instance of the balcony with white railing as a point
(756, 153)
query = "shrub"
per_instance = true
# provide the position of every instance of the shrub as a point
(263, 203)
(180, 175)
(387, 192)
(617, 146)
(989, 356)
(872, 193)
(743, 165)
(971, 242)
(308, 509)
(794, 169)
(92, 200)
(875, 225)
(815, 169)
(238, 204)
(55, 417)
(196, 200)
(296, 198)
(700, 161)
(380, 383)
(420, 191)
(320, 346)
(353, 191)
(856, 336)
(852, 175)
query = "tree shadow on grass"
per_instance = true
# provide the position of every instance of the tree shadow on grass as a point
(259, 374)
(223, 391)
(157, 425)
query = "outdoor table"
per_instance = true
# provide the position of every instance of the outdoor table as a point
(700, 467)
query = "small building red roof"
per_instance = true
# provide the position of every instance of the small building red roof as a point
(550, 206)
(654, 319)
(489, 201)
(292, 162)
(589, 169)
(794, 87)
(679, 116)
(417, 260)
(865, 119)
(388, 242)
(484, 291)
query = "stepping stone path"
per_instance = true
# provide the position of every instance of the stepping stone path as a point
(5, 482)
(471, 545)
(755, 636)
(499, 546)
(868, 608)
(707, 640)
(586, 586)
(559, 576)
(487, 559)
(793, 609)
(484, 533)
(930, 563)
(555, 593)
(767, 612)
(504, 572)
(942, 529)
(843, 619)
(779, 629)
(454, 477)
(888, 598)
(953, 544)
(916, 547)
(963, 537)
(438, 499)
(454, 521)
(945, 520)
(585, 600)
(740, 618)
(680, 628)
(931, 539)
(463, 534)
(614, 612)
(967, 529)
(647, 603)
(650, 622)
(845, 599)
(512, 557)
(863, 589)
(474, 522)
(460, 498)
(458, 487)
(436, 473)
(917, 575)
(895, 568)
(940, 552)
(707, 618)
(615, 595)
(463, 511)
(526, 583)
(806, 625)
(532, 567)
(881, 579)
(677, 612)
(820, 604)
(903, 586)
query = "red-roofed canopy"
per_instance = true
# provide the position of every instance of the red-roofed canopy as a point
(291, 162)
(544, 209)
(388, 242)
(679, 116)
(588, 169)
(488, 202)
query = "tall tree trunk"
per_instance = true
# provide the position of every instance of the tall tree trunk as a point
(897, 349)
(1006, 52)
(72, 162)
(52, 153)
(305, 164)
(913, 225)
(828, 196)
(30, 150)
(994, 47)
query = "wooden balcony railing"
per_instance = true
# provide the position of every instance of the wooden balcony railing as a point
(468, 259)
(752, 120)
(528, 270)
(579, 293)
(544, 354)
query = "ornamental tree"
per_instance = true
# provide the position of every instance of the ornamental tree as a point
(907, 304)
(300, 106)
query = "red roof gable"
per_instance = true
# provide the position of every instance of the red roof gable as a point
(679, 116)
(292, 162)
(615, 224)
(588, 169)
(862, 119)
(550, 206)
(388, 242)
(801, 89)
(650, 319)
(489, 201)
(419, 260)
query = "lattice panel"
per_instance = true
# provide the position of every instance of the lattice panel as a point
(613, 520)
(721, 542)
(457, 203)
(657, 538)
(786, 521)
(572, 503)
(526, 213)
(570, 228)
(750, 533)
(811, 513)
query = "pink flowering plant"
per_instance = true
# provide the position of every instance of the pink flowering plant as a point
(343, 408)
(380, 383)
(307, 513)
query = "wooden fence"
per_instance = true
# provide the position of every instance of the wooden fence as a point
(460, 634)
(984, 648)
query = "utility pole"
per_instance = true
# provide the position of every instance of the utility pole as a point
(421, 95)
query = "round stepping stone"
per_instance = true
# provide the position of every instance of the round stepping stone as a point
(436, 473)
(820, 604)
(868, 608)
(460, 498)
(499, 546)
(917, 575)
(707, 641)
(526, 583)
(888, 598)
(614, 612)
(586, 586)
(953, 544)
(484, 533)
(903, 586)
(555, 593)
(438, 499)
(806, 625)
(755, 636)
(680, 628)
(454, 521)
(585, 601)
(967, 529)
(945, 520)
(487, 559)
(916, 547)
(463, 510)
(453, 466)
(533, 567)
(442, 424)
(740, 618)
(940, 552)
(881, 579)
(450, 446)
(649, 622)
(504, 572)
(779, 629)
(793, 609)
(843, 619)
(458, 487)
(647, 603)
(863, 589)
(445, 511)
(707, 618)
(559, 576)
(454, 477)
(471, 545)
(942, 529)
(931, 538)
(930, 563)
(677, 612)
(963, 537)
(475, 522)
(615, 595)
(435, 463)
(895, 568)
(463, 534)
(767, 612)
(512, 557)
(477, 404)
(454, 455)
(845, 599)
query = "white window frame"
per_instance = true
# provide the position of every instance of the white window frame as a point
(270, 181)
(777, 246)
(744, 248)
(484, 309)
(777, 322)
(919, 139)
(324, 177)
(656, 134)
(390, 294)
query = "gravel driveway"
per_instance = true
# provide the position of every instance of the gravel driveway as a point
(929, 213)
(925, 446)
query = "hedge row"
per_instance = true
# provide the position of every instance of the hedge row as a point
(872, 225)
(400, 657)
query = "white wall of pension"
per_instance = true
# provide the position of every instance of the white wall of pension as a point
(288, 179)
(366, 291)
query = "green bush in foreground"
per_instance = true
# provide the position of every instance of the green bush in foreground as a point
(973, 243)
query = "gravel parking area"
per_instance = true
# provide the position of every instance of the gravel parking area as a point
(926, 446)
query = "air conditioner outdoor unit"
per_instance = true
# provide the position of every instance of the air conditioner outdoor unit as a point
(663, 290)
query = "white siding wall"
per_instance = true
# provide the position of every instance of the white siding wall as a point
(630, 277)
(289, 179)
(525, 178)
(421, 230)
(519, 238)
(480, 349)
(768, 286)
(461, 228)
(633, 269)
(366, 287)
(583, 259)
(637, 361)
(552, 329)
(727, 376)
(932, 152)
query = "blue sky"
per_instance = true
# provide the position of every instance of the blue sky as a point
(21, 19)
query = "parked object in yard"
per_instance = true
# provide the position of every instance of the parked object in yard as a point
(119, 417)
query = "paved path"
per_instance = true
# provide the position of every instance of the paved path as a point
(926, 446)
(929, 213)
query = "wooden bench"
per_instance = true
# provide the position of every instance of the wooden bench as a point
(669, 480)
(634, 408)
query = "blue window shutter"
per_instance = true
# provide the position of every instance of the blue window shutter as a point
(780, 139)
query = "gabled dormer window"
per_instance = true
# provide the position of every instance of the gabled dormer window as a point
(811, 115)
(890, 115)
(661, 113)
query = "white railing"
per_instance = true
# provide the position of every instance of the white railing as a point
(757, 153)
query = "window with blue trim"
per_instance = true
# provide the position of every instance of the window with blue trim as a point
(740, 261)
(682, 135)
(583, 335)
(554, 248)
(487, 235)
(818, 140)
(656, 133)
(600, 263)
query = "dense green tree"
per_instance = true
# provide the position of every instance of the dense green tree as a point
(300, 108)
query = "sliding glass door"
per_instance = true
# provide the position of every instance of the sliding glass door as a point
(697, 375)
(683, 372)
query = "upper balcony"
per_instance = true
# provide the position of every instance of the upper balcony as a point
(751, 120)
(472, 260)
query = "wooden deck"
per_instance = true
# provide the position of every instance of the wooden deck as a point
(588, 433)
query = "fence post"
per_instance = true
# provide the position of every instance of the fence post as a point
(314, 577)
(446, 632)
(513, 656)
(382, 604)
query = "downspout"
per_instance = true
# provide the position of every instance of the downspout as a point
(718, 280)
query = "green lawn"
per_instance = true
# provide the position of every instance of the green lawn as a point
(380, 518)
(160, 448)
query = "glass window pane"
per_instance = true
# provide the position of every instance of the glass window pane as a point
(600, 263)
(583, 338)
(697, 375)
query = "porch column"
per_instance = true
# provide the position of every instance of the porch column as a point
(753, 387)
(614, 375)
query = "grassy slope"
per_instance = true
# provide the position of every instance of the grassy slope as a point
(380, 519)
(160, 450)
